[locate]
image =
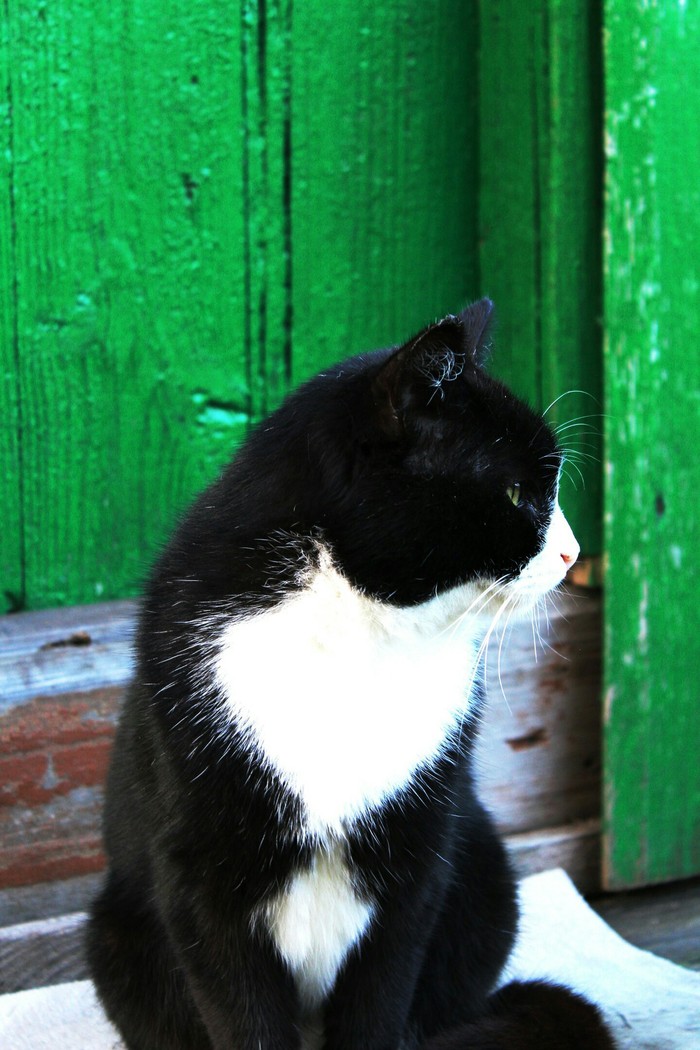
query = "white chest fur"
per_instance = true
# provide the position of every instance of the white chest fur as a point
(346, 698)
(315, 922)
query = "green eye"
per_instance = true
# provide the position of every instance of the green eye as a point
(513, 493)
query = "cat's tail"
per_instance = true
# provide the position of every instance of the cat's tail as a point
(530, 1015)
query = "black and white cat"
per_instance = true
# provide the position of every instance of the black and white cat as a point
(297, 857)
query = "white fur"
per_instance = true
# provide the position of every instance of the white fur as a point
(346, 698)
(315, 922)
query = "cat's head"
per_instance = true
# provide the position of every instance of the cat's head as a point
(430, 473)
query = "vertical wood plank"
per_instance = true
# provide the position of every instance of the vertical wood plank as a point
(540, 216)
(11, 534)
(127, 128)
(384, 150)
(266, 59)
(652, 281)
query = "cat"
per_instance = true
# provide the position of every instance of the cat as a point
(296, 854)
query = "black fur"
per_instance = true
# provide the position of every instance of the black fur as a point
(397, 463)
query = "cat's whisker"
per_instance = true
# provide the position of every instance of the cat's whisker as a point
(478, 605)
(577, 468)
(567, 393)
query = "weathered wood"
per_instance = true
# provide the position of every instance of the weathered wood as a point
(539, 222)
(125, 183)
(204, 203)
(662, 919)
(573, 847)
(42, 900)
(78, 649)
(35, 954)
(384, 149)
(11, 459)
(62, 676)
(538, 755)
(652, 224)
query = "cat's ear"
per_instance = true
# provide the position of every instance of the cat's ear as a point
(417, 374)
(476, 321)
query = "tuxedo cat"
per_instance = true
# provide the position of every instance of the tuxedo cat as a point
(296, 855)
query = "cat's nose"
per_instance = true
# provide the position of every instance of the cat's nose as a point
(568, 544)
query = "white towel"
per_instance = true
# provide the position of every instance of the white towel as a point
(650, 1003)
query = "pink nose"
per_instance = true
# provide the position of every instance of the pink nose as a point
(568, 559)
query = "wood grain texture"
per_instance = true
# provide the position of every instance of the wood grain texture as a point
(384, 154)
(661, 919)
(539, 223)
(652, 280)
(539, 752)
(204, 204)
(11, 460)
(51, 950)
(127, 191)
(36, 954)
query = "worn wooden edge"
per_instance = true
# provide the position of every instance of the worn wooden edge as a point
(575, 848)
(44, 900)
(661, 919)
(58, 651)
(36, 954)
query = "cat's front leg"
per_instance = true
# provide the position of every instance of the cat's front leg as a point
(242, 992)
(370, 1004)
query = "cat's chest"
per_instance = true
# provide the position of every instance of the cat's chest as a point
(344, 700)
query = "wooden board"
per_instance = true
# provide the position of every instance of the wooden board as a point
(539, 753)
(661, 919)
(539, 223)
(36, 954)
(126, 189)
(204, 203)
(652, 282)
(384, 153)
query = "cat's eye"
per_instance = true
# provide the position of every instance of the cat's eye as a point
(513, 493)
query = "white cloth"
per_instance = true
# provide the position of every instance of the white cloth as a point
(650, 1003)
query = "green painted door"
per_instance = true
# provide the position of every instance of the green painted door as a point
(652, 378)
(201, 204)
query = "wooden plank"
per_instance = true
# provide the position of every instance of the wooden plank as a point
(266, 30)
(128, 175)
(661, 919)
(41, 900)
(36, 954)
(539, 752)
(573, 847)
(383, 194)
(539, 223)
(11, 539)
(652, 277)
(78, 649)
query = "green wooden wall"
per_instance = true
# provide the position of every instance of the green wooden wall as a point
(202, 203)
(652, 367)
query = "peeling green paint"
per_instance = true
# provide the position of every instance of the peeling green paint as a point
(652, 369)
